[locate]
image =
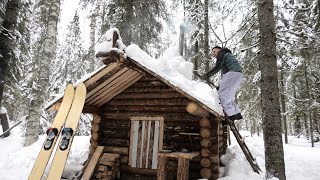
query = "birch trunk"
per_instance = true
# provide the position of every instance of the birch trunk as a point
(41, 68)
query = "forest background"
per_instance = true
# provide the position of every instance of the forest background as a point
(46, 44)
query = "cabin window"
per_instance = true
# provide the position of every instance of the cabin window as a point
(146, 138)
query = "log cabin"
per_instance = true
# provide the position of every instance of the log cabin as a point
(146, 127)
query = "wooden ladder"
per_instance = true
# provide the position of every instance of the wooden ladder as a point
(243, 146)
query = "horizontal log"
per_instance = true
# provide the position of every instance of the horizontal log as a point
(117, 142)
(196, 109)
(124, 124)
(205, 173)
(179, 155)
(116, 135)
(139, 171)
(205, 133)
(205, 123)
(205, 143)
(94, 144)
(205, 152)
(150, 89)
(90, 109)
(169, 117)
(117, 150)
(163, 108)
(96, 119)
(95, 128)
(149, 95)
(205, 162)
(148, 101)
(95, 136)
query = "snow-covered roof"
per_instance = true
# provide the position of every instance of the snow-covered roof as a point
(113, 78)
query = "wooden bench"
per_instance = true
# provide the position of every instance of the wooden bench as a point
(183, 164)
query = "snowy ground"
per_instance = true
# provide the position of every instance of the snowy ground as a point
(302, 161)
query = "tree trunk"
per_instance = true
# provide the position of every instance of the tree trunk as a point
(93, 26)
(271, 117)
(206, 35)
(309, 100)
(283, 107)
(8, 39)
(41, 70)
(305, 120)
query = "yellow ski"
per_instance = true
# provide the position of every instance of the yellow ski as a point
(67, 133)
(52, 134)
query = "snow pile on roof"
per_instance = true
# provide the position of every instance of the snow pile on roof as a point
(172, 67)
(104, 43)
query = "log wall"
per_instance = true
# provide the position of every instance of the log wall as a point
(151, 97)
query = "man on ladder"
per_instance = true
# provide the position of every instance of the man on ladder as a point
(231, 79)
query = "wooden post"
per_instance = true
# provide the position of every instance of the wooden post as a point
(162, 173)
(183, 168)
(4, 121)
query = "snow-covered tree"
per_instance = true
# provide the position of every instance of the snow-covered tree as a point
(43, 53)
(9, 37)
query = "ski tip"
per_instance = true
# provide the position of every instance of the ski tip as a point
(69, 86)
(82, 86)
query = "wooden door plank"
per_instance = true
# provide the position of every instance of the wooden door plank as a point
(92, 163)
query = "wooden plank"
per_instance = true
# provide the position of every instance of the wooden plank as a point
(145, 145)
(92, 164)
(179, 154)
(138, 163)
(183, 169)
(108, 84)
(161, 128)
(122, 86)
(151, 143)
(114, 85)
(100, 74)
(131, 142)
(162, 170)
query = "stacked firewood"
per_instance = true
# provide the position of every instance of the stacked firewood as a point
(107, 167)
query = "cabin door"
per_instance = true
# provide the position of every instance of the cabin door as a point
(146, 139)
